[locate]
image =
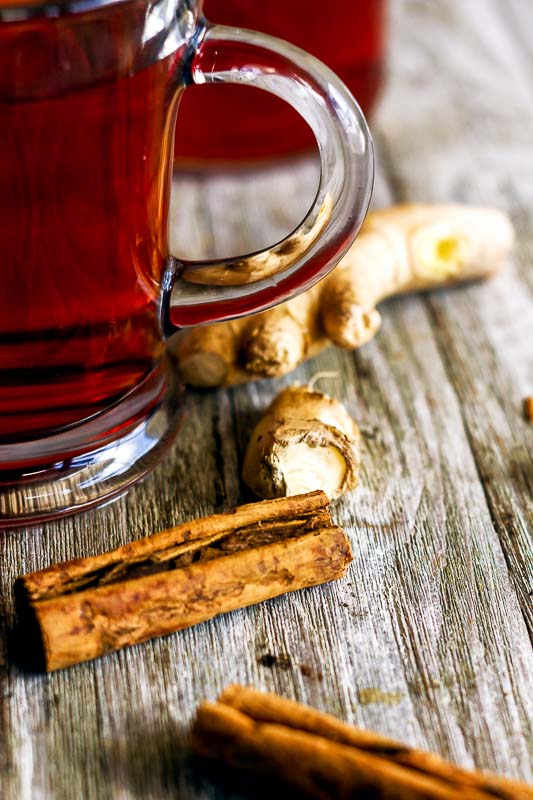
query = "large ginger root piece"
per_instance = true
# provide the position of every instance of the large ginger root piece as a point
(305, 441)
(400, 249)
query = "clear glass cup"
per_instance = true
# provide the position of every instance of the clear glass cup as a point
(89, 92)
(223, 125)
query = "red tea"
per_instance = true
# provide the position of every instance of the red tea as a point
(85, 145)
(233, 122)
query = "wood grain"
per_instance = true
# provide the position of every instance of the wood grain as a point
(427, 639)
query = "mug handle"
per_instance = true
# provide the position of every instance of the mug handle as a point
(197, 292)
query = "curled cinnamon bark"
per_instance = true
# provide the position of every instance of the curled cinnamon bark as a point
(326, 758)
(81, 609)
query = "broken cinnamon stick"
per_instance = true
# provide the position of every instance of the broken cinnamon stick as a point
(324, 758)
(81, 609)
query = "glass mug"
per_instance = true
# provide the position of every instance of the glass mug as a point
(223, 125)
(89, 91)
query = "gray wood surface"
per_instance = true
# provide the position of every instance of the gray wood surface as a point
(429, 638)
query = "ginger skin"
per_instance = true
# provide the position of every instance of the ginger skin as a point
(401, 249)
(304, 442)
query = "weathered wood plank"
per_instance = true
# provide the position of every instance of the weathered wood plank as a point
(474, 154)
(426, 639)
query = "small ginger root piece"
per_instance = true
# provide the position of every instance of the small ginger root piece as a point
(209, 355)
(281, 335)
(401, 249)
(305, 441)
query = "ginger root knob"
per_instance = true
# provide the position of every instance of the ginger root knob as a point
(305, 441)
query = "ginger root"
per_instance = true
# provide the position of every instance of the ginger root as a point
(305, 441)
(400, 249)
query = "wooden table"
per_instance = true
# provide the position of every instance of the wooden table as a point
(427, 639)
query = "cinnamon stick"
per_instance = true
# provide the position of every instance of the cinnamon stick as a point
(81, 609)
(324, 758)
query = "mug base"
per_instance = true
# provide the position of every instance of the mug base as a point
(94, 462)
